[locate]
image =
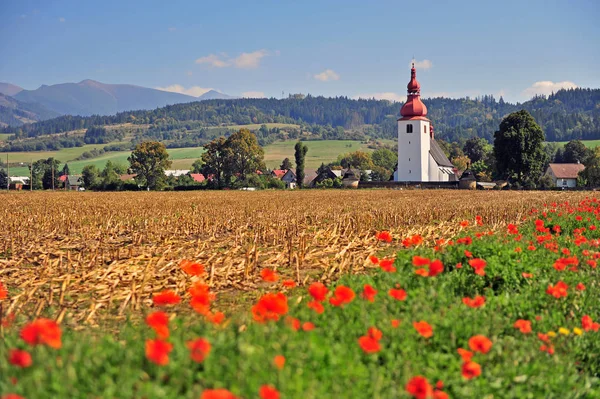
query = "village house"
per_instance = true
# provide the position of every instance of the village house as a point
(564, 174)
(74, 183)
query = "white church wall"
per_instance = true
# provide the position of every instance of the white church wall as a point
(413, 148)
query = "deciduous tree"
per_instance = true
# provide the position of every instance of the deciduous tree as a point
(149, 161)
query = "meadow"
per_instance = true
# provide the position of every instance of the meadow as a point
(312, 294)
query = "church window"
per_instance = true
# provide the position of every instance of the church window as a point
(408, 159)
(409, 128)
(424, 128)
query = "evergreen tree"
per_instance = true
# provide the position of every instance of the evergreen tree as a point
(286, 164)
(3, 179)
(300, 154)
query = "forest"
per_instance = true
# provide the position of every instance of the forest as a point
(564, 115)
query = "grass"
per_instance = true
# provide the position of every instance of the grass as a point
(328, 361)
(588, 143)
(256, 126)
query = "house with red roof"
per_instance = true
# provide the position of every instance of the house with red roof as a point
(564, 174)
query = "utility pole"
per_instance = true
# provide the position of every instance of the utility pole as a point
(7, 174)
(31, 175)
(52, 175)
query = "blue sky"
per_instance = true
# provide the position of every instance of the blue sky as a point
(351, 48)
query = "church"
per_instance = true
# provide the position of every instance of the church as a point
(420, 158)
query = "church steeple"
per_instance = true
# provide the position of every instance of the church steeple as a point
(413, 107)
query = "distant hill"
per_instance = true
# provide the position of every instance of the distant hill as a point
(565, 115)
(215, 95)
(14, 112)
(9, 89)
(90, 97)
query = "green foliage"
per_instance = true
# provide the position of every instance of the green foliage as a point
(591, 173)
(576, 152)
(197, 166)
(300, 151)
(546, 181)
(461, 162)
(477, 148)
(357, 160)
(518, 148)
(3, 179)
(286, 164)
(243, 154)
(149, 161)
(379, 173)
(91, 177)
(100, 135)
(384, 158)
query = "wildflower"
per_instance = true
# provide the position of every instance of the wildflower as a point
(420, 261)
(423, 328)
(192, 268)
(435, 268)
(318, 291)
(518, 250)
(478, 264)
(459, 265)
(413, 241)
(199, 349)
(470, 370)
(374, 259)
(3, 292)
(544, 337)
(279, 361)
(11, 396)
(42, 331)
(268, 275)
(369, 344)
(526, 275)
(215, 318)
(480, 343)
(201, 297)
(547, 348)
(316, 306)
(440, 395)
(270, 307)
(19, 358)
(468, 254)
(395, 323)
(157, 351)
(166, 298)
(159, 322)
(580, 287)
(289, 283)
(577, 331)
(308, 326)
(369, 293)
(268, 392)
(384, 236)
(475, 302)
(342, 296)
(419, 387)
(523, 325)
(558, 290)
(588, 324)
(551, 334)
(464, 223)
(387, 265)
(294, 323)
(465, 354)
(398, 294)
(217, 394)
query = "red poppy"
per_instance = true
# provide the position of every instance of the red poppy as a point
(413, 241)
(384, 236)
(396, 323)
(387, 265)
(526, 275)
(369, 293)
(166, 298)
(217, 394)
(192, 268)
(420, 261)
(308, 326)
(42, 331)
(518, 249)
(398, 294)
(478, 264)
(369, 344)
(201, 297)
(547, 348)
(464, 223)
(199, 349)
(558, 290)
(435, 268)
(11, 396)
(465, 354)
(470, 370)
(468, 254)
(294, 323)
(269, 275)
(215, 318)
(157, 351)
(279, 361)
(588, 324)
(374, 259)
(19, 358)
(423, 328)
(342, 296)
(270, 307)
(440, 395)
(422, 272)
(3, 292)
(544, 337)
(318, 291)
(419, 387)
(523, 325)
(580, 287)
(159, 321)
(316, 306)
(475, 302)
(289, 283)
(268, 392)
(480, 343)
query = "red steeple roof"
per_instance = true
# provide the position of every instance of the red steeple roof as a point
(413, 107)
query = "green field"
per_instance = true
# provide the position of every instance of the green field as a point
(319, 152)
(256, 126)
(588, 143)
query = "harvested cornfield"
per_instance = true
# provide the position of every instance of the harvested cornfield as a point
(87, 256)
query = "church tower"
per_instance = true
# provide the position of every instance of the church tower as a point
(414, 137)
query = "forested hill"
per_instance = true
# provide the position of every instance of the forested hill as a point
(565, 115)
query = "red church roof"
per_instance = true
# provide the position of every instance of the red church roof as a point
(198, 177)
(413, 107)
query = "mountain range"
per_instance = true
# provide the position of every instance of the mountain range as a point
(85, 98)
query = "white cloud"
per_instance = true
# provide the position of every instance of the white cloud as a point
(213, 60)
(425, 64)
(250, 60)
(253, 94)
(547, 87)
(243, 61)
(327, 75)
(61, 19)
(195, 91)
(390, 96)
